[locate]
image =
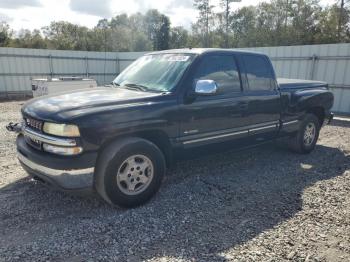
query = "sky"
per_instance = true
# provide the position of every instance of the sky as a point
(34, 14)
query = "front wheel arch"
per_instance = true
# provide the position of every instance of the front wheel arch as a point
(157, 137)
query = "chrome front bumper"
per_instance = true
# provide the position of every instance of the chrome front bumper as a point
(75, 179)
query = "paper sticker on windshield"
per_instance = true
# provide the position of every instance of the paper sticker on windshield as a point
(178, 58)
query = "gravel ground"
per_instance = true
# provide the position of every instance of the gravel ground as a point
(263, 204)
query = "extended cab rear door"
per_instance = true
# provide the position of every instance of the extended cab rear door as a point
(262, 95)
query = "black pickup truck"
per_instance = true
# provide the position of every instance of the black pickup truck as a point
(118, 140)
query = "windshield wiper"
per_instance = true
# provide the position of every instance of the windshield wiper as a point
(137, 87)
(114, 84)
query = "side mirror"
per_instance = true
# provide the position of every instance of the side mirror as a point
(206, 87)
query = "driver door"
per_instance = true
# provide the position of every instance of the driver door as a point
(218, 117)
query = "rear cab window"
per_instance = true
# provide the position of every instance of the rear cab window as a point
(259, 73)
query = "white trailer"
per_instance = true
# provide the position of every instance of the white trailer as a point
(49, 86)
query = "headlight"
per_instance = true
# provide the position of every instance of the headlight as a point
(59, 150)
(61, 129)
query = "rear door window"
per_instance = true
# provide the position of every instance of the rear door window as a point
(259, 73)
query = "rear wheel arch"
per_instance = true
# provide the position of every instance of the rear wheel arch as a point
(319, 112)
(299, 142)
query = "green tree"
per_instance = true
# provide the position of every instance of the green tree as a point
(5, 34)
(158, 29)
(243, 25)
(279, 22)
(225, 19)
(328, 27)
(273, 23)
(139, 39)
(29, 39)
(305, 15)
(141, 43)
(342, 16)
(179, 37)
(204, 24)
(164, 33)
(66, 36)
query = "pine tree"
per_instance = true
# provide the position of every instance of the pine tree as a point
(205, 19)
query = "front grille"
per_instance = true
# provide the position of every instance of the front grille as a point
(34, 124)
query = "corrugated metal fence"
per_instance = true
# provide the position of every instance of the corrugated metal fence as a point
(19, 65)
(330, 63)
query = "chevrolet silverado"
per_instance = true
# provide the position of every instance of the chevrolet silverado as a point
(118, 140)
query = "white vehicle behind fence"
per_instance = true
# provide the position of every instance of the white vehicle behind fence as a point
(49, 86)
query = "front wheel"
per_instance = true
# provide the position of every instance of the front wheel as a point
(306, 138)
(129, 172)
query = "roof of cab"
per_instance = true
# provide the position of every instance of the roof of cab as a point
(199, 51)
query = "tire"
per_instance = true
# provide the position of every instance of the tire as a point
(304, 141)
(129, 172)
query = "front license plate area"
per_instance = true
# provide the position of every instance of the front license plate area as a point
(34, 143)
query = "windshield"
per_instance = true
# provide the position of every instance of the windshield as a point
(159, 72)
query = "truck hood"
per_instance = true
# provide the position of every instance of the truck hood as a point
(69, 105)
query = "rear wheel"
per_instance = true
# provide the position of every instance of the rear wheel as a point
(306, 138)
(129, 172)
